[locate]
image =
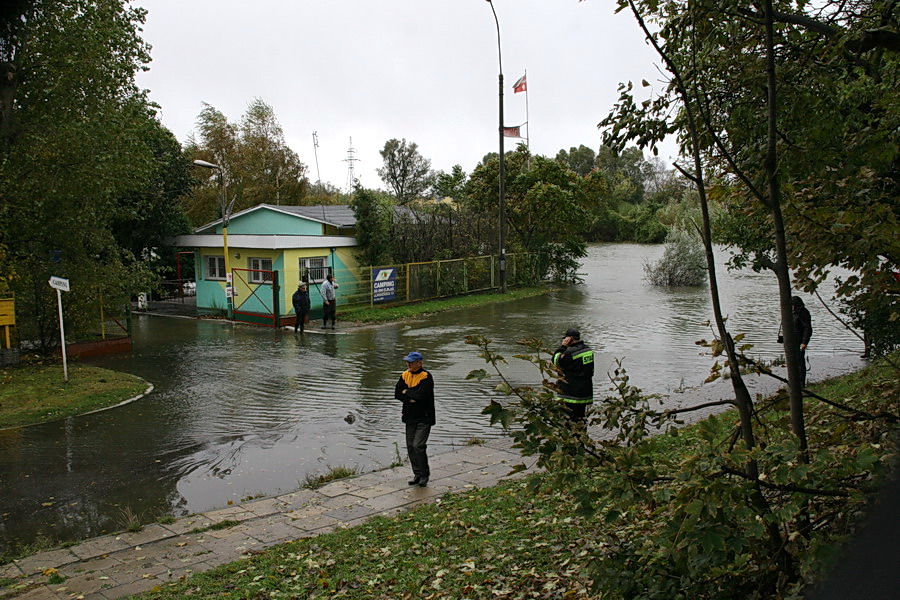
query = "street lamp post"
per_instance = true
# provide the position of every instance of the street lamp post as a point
(225, 209)
(502, 174)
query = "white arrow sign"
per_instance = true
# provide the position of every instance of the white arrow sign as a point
(58, 283)
(61, 285)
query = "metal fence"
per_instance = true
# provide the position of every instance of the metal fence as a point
(413, 282)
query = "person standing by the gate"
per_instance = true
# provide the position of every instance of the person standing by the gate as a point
(415, 389)
(329, 301)
(301, 303)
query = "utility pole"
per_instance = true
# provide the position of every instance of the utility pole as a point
(502, 174)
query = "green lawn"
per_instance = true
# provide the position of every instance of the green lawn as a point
(32, 394)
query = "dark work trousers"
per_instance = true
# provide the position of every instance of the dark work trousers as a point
(300, 322)
(328, 312)
(576, 411)
(416, 443)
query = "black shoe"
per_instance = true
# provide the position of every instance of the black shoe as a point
(324, 327)
(414, 481)
(332, 326)
(423, 482)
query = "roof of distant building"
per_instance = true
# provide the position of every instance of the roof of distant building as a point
(337, 215)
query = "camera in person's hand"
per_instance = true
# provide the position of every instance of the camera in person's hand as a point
(780, 339)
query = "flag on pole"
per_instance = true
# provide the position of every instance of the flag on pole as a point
(512, 131)
(521, 85)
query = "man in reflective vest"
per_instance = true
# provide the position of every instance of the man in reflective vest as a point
(575, 361)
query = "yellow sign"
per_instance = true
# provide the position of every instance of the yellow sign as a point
(7, 311)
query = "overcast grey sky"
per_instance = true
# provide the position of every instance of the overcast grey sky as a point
(424, 70)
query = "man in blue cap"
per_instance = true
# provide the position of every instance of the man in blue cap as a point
(415, 389)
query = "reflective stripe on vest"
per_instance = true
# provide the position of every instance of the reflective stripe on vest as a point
(586, 357)
(575, 400)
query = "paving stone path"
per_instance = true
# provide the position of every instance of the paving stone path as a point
(116, 566)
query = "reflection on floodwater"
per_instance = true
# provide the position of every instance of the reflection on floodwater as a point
(240, 412)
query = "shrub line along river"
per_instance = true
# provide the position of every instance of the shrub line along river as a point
(241, 412)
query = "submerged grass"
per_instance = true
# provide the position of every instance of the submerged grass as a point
(514, 540)
(32, 394)
(314, 481)
(382, 314)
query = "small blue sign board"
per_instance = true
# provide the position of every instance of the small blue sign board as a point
(384, 285)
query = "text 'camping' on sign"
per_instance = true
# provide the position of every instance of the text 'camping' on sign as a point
(384, 285)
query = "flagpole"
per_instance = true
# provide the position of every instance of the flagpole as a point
(527, 119)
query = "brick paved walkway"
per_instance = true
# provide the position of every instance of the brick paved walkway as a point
(115, 566)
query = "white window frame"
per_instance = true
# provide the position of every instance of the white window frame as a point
(259, 264)
(316, 267)
(215, 271)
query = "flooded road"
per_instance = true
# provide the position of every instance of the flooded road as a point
(240, 412)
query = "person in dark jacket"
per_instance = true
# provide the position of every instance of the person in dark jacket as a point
(575, 361)
(415, 389)
(300, 300)
(803, 331)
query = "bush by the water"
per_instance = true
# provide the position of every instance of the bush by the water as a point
(682, 264)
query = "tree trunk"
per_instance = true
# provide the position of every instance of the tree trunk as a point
(782, 271)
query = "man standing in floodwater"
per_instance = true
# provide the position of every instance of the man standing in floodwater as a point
(301, 303)
(329, 301)
(575, 361)
(415, 389)
(803, 331)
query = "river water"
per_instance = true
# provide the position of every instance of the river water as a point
(240, 412)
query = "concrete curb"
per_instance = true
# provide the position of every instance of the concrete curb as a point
(149, 389)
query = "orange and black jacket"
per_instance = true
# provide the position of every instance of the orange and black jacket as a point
(418, 401)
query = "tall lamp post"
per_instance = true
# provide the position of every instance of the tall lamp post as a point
(225, 209)
(502, 165)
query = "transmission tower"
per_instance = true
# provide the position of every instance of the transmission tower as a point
(351, 158)
(316, 152)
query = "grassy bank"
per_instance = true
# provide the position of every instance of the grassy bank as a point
(381, 314)
(32, 394)
(519, 539)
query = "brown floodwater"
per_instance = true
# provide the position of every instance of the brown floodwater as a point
(240, 412)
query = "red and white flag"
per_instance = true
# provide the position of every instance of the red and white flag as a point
(512, 132)
(521, 85)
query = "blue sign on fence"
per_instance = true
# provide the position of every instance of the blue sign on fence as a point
(384, 285)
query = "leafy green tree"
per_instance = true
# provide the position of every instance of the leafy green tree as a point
(544, 203)
(374, 217)
(273, 172)
(146, 216)
(74, 148)
(405, 171)
(256, 163)
(450, 185)
(580, 159)
(628, 170)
